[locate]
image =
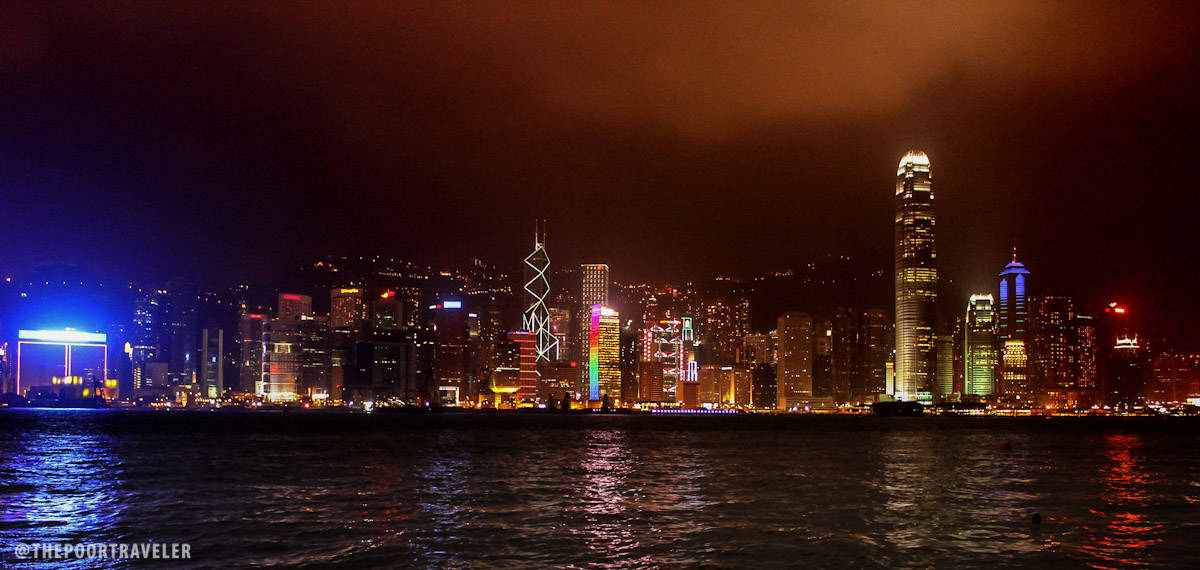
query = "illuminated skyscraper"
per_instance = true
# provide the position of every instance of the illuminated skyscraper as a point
(281, 361)
(1013, 330)
(604, 356)
(1014, 366)
(979, 346)
(593, 290)
(527, 373)
(795, 374)
(916, 277)
(149, 336)
(536, 318)
(514, 380)
(347, 317)
(594, 284)
(663, 343)
(726, 323)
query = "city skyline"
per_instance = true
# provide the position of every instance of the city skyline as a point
(861, 284)
(1039, 150)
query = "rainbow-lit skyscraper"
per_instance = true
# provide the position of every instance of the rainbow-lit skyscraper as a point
(916, 278)
(604, 355)
(536, 318)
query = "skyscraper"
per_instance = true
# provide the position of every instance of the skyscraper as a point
(347, 317)
(916, 277)
(593, 290)
(874, 353)
(1053, 335)
(1085, 350)
(594, 284)
(1013, 330)
(212, 363)
(764, 389)
(650, 381)
(293, 306)
(663, 343)
(313, 342)
(822, 361)
(604, 355)
(759, 348)
(182, 324)
(149, 336)
(979, 346)
(795, 376)
(1123, 356)
(346, 309)
(536, 318)
(514, 379)
(250, 344)
(845, 357)
(282, 361)
(527, 374)
(451, 333)
(944, 385)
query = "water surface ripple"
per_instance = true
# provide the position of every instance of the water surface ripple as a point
(525, 490)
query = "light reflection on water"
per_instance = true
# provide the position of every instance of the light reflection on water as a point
(606, 496)
(941, 493)
(1127, 527)
(459, 490)
(59, 485)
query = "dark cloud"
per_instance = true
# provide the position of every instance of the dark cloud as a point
(669, 139)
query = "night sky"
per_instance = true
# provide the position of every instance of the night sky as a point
(231, 141)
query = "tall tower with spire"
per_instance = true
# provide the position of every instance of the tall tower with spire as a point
(1013, 329)
(916, 278)
(536, 318)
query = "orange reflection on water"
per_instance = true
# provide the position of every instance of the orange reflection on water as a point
(1128, 528)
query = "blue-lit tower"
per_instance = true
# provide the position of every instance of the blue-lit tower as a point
(1013, 330)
